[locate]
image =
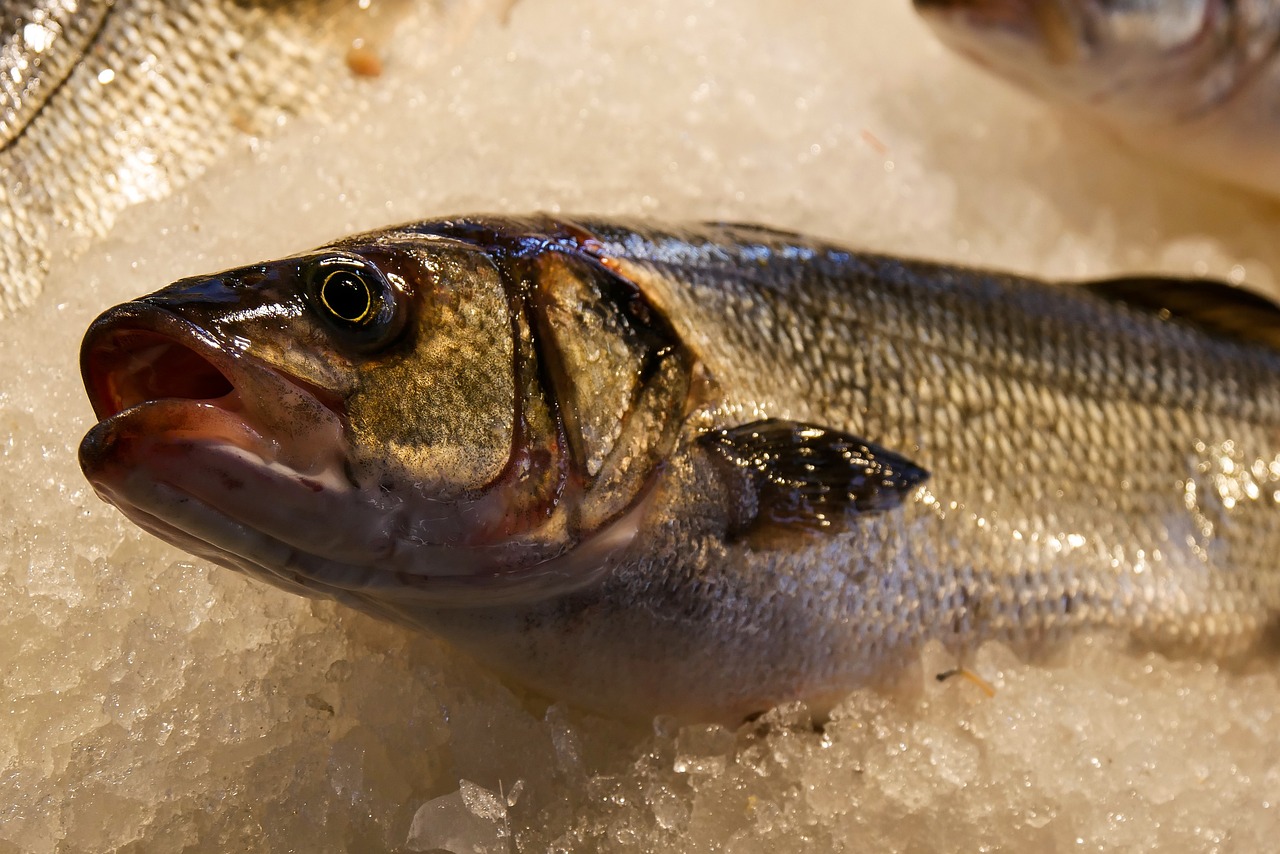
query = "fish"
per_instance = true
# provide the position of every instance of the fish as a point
(704, 470)
(105, 104)
(1194, 82)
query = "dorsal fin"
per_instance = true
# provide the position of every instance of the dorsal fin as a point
(1216, 307)
(753, 230)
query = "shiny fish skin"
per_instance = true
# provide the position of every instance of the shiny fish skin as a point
(39, 45)
(106, 104)
(1054, 462)
(1193, 81)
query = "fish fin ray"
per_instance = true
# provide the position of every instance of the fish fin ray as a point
(809, 477)
(1216, 307)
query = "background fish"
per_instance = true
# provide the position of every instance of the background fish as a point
(705, 470)
(108, 103)
(1196, 81)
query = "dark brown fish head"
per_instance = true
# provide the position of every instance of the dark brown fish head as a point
(411, 415)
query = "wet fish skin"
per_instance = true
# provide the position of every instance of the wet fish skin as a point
(697, 470)
(40, 42)
(1193, 81)
(108, 103)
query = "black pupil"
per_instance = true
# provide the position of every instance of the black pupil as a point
(347, 296)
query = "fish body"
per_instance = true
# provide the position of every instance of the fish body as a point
(1195, 81)
(108, 103)
(698, 470)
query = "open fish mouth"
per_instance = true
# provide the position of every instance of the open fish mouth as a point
(126, 366)
(212, 450)
(149, 374)
(137, 354)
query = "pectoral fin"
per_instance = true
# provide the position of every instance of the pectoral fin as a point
(810, 478)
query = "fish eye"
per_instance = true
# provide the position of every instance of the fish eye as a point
(355, 300)
(347, 296)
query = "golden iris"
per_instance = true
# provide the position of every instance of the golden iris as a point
(348, 297)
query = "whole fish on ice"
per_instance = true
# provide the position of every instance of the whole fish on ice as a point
(703, 470)
(1196, 81)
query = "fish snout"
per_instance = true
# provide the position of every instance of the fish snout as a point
(220, 290)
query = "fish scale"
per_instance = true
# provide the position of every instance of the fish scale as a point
(1031, 370)
(108, 103)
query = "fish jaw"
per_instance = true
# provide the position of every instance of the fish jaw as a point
(234, 460)
(223, 447)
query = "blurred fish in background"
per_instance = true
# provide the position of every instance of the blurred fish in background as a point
(106, 103)
(1193, 81)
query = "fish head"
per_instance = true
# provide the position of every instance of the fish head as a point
(1157, 60)
(375, 421)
